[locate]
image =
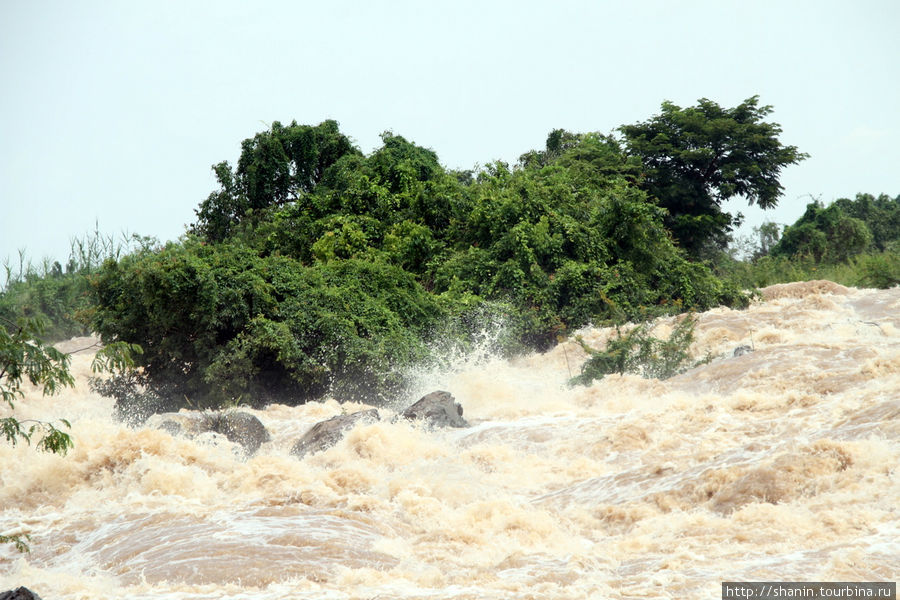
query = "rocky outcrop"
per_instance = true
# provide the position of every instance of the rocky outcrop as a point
(22, 593)
(325, 434)
(244, 429)
(437, 409)
(742, 350)
(239, 427)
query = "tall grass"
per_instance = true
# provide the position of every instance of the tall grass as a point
(59, 294)
(870, 269)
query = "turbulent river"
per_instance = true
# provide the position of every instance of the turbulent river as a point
(778, 465)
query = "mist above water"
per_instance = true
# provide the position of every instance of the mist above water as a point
(780, 464)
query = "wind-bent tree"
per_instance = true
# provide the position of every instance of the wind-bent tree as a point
(695, 158)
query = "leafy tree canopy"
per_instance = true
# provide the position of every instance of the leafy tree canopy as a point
(880, 214)
(275, 166)
(220, 324)
(697, 157)
(843, 229)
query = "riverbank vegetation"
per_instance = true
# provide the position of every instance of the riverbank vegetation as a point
(854, 242)
(316, 269)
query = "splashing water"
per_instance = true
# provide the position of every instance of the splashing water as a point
(780, 464)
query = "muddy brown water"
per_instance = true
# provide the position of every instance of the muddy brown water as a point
(781, 464)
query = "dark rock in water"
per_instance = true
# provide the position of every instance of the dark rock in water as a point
(22, 593)
(437, 409)
(172, 427)
(325, 434)
(239, 427)
(244, 429)
(742, 350)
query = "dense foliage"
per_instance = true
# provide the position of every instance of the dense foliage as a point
(314, 268)
(843, 229)
(695, 158)
(854, 242)
(60, 296)
(275, 167)
(221, 324)
(52, 295)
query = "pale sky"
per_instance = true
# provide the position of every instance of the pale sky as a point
(113, 112)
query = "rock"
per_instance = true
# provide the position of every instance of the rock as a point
(22, 593)
(742, 350)
(186, 423)
(239, 427)
(325, 434)
(244, 429)
(172, 427)
(437, 409)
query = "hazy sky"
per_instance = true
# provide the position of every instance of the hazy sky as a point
(113, 112)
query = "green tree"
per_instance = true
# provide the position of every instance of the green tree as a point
(695, 158)
(340, 281)
(769, 234)
(825, 234)
(275, 167)
(881, 216)
(566, 247)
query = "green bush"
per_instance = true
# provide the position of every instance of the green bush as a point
(881, 270)
(869, 269)
(636, 351)
(221, 325)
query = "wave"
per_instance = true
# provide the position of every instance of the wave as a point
(779, 464)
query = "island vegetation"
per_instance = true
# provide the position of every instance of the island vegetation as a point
(316, 269)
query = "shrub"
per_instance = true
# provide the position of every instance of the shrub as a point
(222, 325)
(636, 351)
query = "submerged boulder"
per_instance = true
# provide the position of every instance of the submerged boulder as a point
(244, 429)
(238, 427)
(21, 593)
(742, 350)
(437, 409)
(325, 434)
(188, 424)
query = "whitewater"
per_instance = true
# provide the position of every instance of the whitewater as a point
(777, 465)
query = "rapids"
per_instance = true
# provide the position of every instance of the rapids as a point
(781, 464)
